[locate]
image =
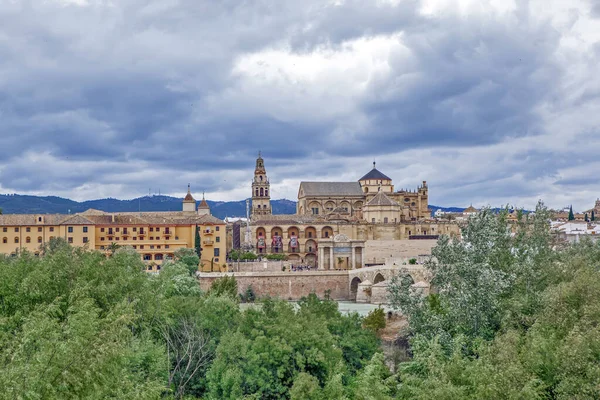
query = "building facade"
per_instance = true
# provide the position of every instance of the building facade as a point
(368, 209)
(154, 235)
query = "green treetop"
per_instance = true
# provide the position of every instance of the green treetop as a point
(571, 215)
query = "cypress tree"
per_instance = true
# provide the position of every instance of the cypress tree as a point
(197, 243)
(593, 216)
(571, 215)
(586, 218)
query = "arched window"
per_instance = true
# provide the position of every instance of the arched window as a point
(27, 239)
(39, 239)
(256, 191)
(262, 192)
(261, 178)
(259, 206)
(16, 239)
(266, 192)
(5, 240)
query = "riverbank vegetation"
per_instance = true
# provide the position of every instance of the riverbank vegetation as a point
(514, 316)
(76, 324)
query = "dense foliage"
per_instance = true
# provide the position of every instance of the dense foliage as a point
(511, 317)
(78, 324)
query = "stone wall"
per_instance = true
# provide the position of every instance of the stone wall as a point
(287, 285)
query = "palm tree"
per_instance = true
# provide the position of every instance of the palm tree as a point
(113, 248)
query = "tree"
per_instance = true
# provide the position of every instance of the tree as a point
(188, 353)
(225, 286)
(197, 243)
(593, 216)
(189, 258)
(571, 215)
(586, 218)
(375, 320)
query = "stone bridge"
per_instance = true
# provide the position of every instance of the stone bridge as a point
(371, 276)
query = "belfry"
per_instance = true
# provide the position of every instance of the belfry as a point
(261, 199)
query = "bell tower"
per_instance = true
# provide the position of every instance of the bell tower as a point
(261, 199)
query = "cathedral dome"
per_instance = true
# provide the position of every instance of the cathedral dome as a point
(375, 174)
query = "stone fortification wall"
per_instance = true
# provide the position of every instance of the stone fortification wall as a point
(286, 285)
(377, 251)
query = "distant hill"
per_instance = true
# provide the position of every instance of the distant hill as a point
(21, 204)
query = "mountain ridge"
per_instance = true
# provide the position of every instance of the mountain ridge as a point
(27, 204)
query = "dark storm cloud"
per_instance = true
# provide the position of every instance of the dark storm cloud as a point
(146, 93)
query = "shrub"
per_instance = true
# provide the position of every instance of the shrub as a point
(375, 320)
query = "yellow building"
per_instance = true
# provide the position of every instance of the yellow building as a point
(154, 235)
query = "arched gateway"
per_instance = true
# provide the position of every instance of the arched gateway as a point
(340, 253)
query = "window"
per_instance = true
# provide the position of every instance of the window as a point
(51, 237)
(326, 234)
(142, 247)
(117, 238)
(51, 229)
(315, 211)
(135, 229)
(16, 240)
(110, 238)
(39, 228)
(27, 239)
(70, 229)
(151, 247)
(102, 239)
(216, 254)
(373, 220)
(147, 257)
(39, 219)
(28, 229)
(110, 231)
(85, 229)
(5, 240)
(135, 238)
(218, 239)
(158, 257)
(124, 231)
(4, 229)
(134, 246)
(39, 239)
(101, 229)
(117, 229)
(309, 235)
(157, 229)
(158, 247)
(216, 260)
(151, 237)
(217, 229)
(166, 246)
(385, 220)
(16, 229)
(141, 231)
(70, 240)
(85, 239)
(151, 229)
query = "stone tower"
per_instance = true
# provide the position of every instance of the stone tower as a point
(261, 200)
(203, 208)
(189, 203)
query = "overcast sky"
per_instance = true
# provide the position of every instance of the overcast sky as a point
(492, 102)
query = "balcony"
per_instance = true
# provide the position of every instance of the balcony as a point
(207, 232)
(208, 242)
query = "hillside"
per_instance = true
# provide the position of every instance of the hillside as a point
(21, 204)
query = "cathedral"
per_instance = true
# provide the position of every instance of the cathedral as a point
(328, 212)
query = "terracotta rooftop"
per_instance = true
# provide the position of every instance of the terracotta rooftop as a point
(381, 199)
